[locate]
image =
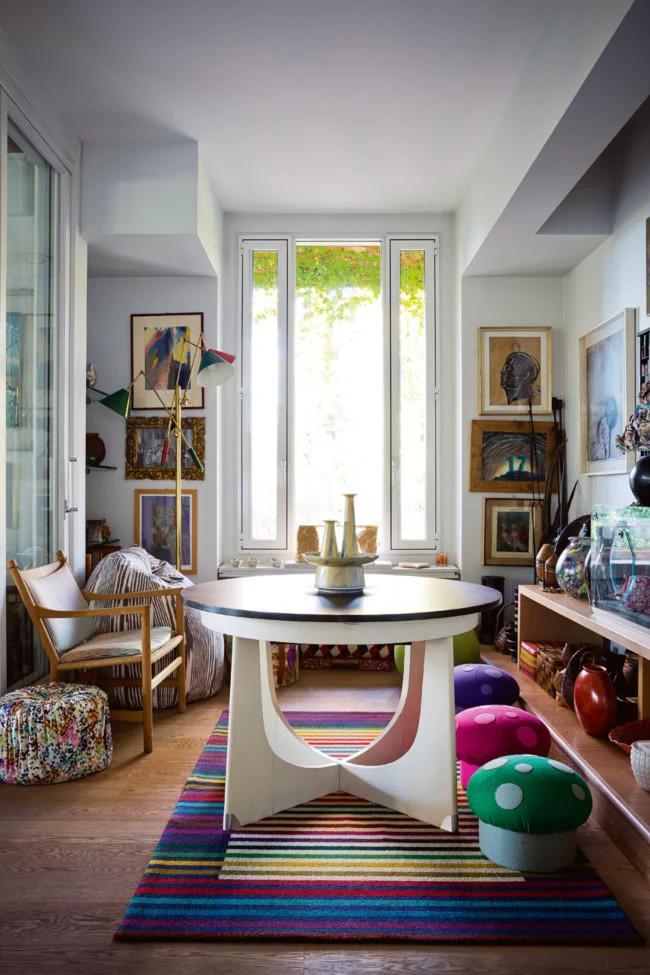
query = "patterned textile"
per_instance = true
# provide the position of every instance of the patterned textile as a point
(340, 868)
(285, 662)
(110, 645)
(376, 656)
(54, 733)
(133, 570)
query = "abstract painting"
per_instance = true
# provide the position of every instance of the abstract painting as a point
(161, 349)
(514, 369)
(607, 393)
(145, 437)
(506, 456)
(511, 531)
(155, 526)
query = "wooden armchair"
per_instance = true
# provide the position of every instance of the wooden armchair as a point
(66, 625)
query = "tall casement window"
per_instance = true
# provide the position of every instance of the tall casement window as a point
(338, 388)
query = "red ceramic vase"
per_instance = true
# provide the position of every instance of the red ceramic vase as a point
(594, 699)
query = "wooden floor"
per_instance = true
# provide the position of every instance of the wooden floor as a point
(71, 855)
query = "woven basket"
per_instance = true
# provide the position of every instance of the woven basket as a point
(640, 762)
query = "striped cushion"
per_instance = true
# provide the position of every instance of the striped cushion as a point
(117, 645)
(133, 570)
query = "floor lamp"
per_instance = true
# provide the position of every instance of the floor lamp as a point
(215, 368)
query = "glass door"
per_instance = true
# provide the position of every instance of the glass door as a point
(31, 418)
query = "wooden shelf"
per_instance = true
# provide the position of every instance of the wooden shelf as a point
(621, 807)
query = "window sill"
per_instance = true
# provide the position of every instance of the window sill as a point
(228, 571)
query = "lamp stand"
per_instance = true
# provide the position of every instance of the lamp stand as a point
(179, 471)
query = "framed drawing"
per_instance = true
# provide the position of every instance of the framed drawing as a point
(157, 348)
(155, 525)
(515, 369)
(512, 529)
(145, 436)
(647, 266)
(505, 456)
(607, 393)
(643, 378)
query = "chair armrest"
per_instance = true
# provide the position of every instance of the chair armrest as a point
(125, 596)
(46, 613)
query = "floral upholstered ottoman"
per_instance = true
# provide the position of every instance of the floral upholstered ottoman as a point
(53, 733)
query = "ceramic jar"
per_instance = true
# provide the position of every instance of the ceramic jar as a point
(544, 553)
(570, 568)
(95, 450)
(594, 700)
(640, 762)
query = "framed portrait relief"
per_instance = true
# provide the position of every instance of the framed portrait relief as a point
(155, 525)
(157, 348)
(505, 456)
(607, 393)
(145, 436)
(515, 369)
(512, 529)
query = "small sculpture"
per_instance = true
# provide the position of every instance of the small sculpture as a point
(340, 573)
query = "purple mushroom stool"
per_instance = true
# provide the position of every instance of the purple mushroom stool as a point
(476, 684)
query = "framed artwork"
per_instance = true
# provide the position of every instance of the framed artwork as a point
(157, 348)
(643, 378)
(145, 436)
(506, 457)
(512, 529)
(515, 368)
(13, 369)
(607, 394)
(155, 525)
(647, 266)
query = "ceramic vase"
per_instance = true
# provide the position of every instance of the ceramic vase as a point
(544, 553)
(95, 450)
(350, 546)
(594, 700)
(570, 568)
(329, 548)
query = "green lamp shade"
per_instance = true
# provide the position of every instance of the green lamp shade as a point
(119, 402)
(215, 368)
(195, 458)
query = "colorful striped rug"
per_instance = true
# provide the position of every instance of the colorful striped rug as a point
(340, 868)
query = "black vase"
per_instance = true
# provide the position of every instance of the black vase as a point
(640, 481)
(489, 617)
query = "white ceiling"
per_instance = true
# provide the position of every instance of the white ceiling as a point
(298, 105)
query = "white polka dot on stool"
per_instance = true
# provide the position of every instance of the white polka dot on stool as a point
(485, 718)
(512, 714)
(577, 790)
(486, 689)
(523, 767)
(527, 736)
(509, 796)
(468, 668)
(493, 672)
(496, 763)
(560, 766)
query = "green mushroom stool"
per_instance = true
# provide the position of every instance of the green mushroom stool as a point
(529, 808)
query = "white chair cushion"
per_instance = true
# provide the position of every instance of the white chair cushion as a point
(127, 643)
(60, 591)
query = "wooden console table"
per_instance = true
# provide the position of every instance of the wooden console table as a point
(545, 616)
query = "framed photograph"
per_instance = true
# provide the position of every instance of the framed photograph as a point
(145, 436)
(506, 457)
(155, 525)
(157, 348)
(512, 529)
(607, 393)
(514, 369)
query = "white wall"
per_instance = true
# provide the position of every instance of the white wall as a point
(111, 302)
(498, 301)
(612, 278)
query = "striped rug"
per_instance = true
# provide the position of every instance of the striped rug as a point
(340, 868)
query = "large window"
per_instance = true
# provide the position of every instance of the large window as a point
(338, 388)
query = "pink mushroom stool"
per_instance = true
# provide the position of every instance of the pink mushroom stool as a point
(493, 730)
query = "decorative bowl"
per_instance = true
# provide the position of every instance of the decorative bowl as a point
(625, 734)
(640, 762)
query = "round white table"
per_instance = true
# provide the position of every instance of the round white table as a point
(411, 767)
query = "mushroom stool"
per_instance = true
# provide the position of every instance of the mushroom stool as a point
(53, 733)
(476, 684)
(529, 808)
(493, 730)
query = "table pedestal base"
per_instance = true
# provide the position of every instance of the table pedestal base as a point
(411, 767)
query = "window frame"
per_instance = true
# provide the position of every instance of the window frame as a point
(393, 547)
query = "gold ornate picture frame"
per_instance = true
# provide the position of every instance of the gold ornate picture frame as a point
(144, 441)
